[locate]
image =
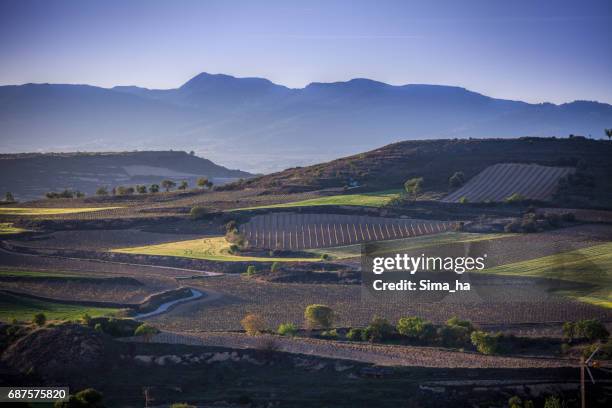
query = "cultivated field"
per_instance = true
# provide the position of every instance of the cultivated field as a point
(500, 181)
(303, 231)
(209, 248)
(377, 199)
(50, 211)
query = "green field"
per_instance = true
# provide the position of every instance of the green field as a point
(23, 309)
(211, 248)
(49, 211)
(37, 274)
(405, 244)
(376, 199)
(592, 266)
(7, 228)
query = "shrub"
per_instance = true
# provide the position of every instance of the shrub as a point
(414, 186)
(253, 324)
(415, 328)
(319, 316)
(330, 334)
(39, 319)
(182, 405)
(250, 271)
(590, 329)
(514, 199)
(141, 189)
(604, 353)
(553, 402)
(455, 321)
(457, 179)
(86, 319)
(485, 343)
(154, 188)
(183, 185)
(355, 334)
(287, 329)
(198, 213)
(379, 329)
(463, 200)
(146, 331)
(455, 333)
(102, 191)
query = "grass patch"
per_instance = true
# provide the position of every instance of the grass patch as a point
(405, 244)
(49, 211)
(376, 199)
(23, 309)
(210, 248)
(7, 228)
(37, 274)
(592, 266)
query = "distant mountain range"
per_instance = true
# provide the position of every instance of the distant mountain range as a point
(256, 125)
(30, 175)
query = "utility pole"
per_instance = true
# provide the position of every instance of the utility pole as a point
(584, 365)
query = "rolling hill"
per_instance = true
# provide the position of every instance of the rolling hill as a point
(254, 124)
(436, 160)
(31, 175)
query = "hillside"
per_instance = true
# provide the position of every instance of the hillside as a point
(31, 175)
(436, 160)
(254, 124)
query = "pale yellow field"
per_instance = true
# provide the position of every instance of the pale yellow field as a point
(8, 228)
(49, 211)
(210, 248)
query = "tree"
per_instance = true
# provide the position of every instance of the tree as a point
(287, 329)
(485, 343)
(8, 197)
(608, 133)
(146, 331)
(141, 189)
(183, 185)
(202, 182)
(414, 186)
(253, 324)
(101, 191)
(379, 329)
(123, 191)
(457, 179)
(168, 184)
(154, 188)
(87, 398)
(250, 271)
(415, 327)
(39, 319)
(319, 316)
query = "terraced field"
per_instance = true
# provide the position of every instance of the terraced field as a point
(500, 181)
(292, 231)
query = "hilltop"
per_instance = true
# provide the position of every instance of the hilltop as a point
(31, 175)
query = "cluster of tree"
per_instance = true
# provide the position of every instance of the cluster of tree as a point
(588, 329)
(167, 185)
(456, 180)
(65, 194)
(234, 237)
(534, 222)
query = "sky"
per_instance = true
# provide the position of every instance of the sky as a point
(536, 51)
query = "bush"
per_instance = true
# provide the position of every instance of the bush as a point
(463, 200)
(415, 328)
(86, 319)
(146, 331)
(486, 343)
(39, 319)
(275, 267)
(330, 334)
(553, 402)
(87, 398)
(355, 334)
(319, 316)
(181, 405)
(514, 199)
(287, 329)
(590, 329)
(604, 353)
(456, 332)
(250, 271)
(253, 324)
(378, 330)
(457, 179)
(198, 213)
(102, 191)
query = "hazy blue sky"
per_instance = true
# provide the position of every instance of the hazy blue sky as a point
(531, 50)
